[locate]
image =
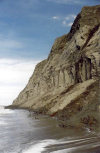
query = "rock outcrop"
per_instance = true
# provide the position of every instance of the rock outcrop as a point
(67, 83)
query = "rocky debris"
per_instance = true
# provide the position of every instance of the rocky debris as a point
(66, 84)
(89, 120)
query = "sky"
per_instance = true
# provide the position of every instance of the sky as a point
(28, 29)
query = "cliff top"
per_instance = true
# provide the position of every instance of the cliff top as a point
(88, 17)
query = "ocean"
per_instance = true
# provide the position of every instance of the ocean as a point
(22, 131)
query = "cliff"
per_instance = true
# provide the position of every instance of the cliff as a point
(66, 84)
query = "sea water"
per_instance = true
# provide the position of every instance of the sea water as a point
(22, 131)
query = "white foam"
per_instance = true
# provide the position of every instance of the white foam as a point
(69, 150)
(5, 111)
(41, 146)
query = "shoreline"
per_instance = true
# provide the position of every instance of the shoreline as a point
(61, 123)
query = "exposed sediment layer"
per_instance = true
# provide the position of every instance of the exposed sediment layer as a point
(66, 84)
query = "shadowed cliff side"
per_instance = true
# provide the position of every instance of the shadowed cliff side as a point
(66, 84)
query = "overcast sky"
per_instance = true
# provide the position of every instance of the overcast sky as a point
(28, 29)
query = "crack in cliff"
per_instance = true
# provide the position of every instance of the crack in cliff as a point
(91, 33)
(75, 27)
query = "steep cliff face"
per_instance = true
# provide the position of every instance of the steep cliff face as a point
(66, 84)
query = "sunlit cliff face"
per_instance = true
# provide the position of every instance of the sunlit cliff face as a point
(14, 75)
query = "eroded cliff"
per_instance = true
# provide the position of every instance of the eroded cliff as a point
(66, 84)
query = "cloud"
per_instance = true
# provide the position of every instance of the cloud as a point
(64, 22)
(55, 17)
(67, 24)
(70, 17)
(68, 20)
(14, 75)
(65, 19)
(66, 1)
